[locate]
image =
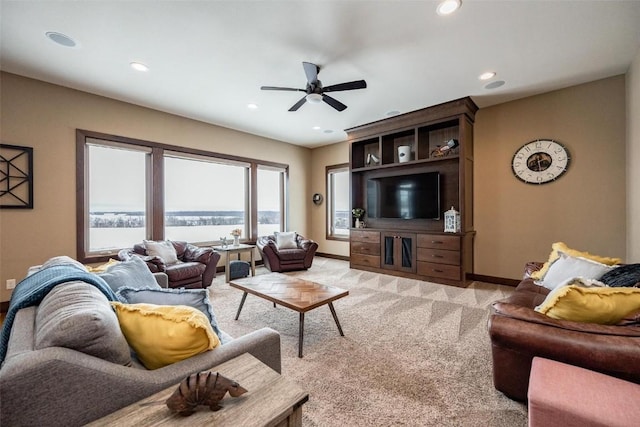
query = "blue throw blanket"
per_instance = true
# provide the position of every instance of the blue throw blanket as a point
(31, 290)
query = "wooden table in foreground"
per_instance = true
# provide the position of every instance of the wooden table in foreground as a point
(271, 401)
(297, 294)
(232, 249)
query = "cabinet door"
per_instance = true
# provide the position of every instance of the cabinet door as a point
(398, 251)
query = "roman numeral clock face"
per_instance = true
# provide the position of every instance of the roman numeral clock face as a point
(541, 161)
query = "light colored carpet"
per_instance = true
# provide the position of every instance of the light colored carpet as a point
(414, 353)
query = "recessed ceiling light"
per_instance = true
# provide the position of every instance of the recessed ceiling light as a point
(393, 113)
(139, 66)
(488, 75)
(252, 106)
(494, 85)
(447, 7)
(328, 131)
(316, 128)
(61, 39)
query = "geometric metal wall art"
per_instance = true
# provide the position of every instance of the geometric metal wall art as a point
(16, 177)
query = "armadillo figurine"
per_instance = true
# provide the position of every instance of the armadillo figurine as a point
(204, 388)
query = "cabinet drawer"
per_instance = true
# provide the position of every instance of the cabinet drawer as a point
(439, 270)
(365, 236)
(365, 248)
(439, 241)
(439, 256)
(365, 260)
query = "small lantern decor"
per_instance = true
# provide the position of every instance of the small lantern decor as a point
(452, 221)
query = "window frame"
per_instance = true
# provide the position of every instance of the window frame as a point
(329, 170)
(155, 187)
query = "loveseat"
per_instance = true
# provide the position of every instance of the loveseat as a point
(286, 251)
(519, 333)
(55, 385)
(191, 266)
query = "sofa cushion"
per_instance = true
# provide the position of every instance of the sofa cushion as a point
(560, 246)
(566, 268)
(625, 275)
(78, 316)
(196, 298)
(161, 334)
(286, 240)
(163, 249)
(133, 273)
(605, 306)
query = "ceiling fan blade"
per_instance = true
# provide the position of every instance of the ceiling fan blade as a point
(333, 102)
(311, 70)
(298, 104)
(282, 88)
(357, 84)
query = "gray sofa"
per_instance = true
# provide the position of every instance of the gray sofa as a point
(58, 386)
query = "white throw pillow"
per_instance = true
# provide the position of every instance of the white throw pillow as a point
(567, 267)
(286, 240)
(163, 249)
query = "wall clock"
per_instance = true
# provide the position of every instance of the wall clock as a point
(540, 161)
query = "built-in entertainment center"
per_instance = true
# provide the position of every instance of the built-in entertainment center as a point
(406, 171)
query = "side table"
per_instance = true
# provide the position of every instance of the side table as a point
(232, 249)
(271, 400)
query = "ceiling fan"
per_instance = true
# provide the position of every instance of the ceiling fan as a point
(315, 93)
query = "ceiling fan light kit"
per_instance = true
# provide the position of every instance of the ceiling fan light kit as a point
(315, 92)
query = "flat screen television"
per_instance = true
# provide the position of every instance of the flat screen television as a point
(415, 196)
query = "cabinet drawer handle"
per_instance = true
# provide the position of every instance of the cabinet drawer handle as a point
(438, 271)
(437, 256)
(437, 242)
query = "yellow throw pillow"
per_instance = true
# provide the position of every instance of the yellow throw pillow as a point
(562, 247)
(606, 306)
(102, 267)
(162, 334)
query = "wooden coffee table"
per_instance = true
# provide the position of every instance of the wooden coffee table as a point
(297, 294)
(271, 400)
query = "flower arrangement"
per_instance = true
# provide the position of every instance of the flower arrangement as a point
(236, 232)
(357, 213)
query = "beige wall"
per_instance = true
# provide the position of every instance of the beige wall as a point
(585, 208)
(45, 117)
(516, 222)
(633, 160)
(329, 155)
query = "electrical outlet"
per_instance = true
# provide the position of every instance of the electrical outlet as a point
(11, 283)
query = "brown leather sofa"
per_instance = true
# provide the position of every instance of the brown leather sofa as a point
(281, 260)
(518, 334)
(196, 267)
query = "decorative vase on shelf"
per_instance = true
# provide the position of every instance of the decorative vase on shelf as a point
(236, 240)
(357, 222)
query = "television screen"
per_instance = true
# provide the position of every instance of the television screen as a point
(415, 196)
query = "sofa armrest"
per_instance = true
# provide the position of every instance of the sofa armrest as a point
(68, 388)
(528, 315)
(162, 279)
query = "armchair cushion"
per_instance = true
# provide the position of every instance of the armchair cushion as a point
(132, 272)
(163, 249)
(286, 240)
(161, 334)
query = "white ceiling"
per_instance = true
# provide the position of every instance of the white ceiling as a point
(208, 59)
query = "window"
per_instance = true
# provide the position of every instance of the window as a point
(271, 183)
(338, 215)
(117, 213)
(205, 212)
(131, 190)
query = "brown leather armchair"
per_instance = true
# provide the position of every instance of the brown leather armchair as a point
(196, 267)
(518, 334)
(281, 260)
